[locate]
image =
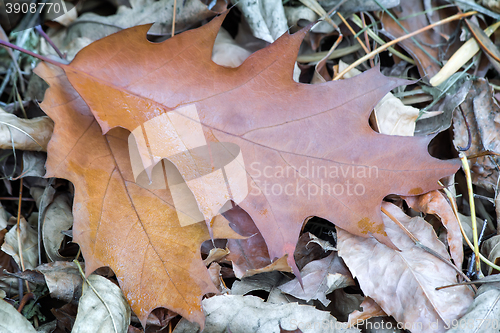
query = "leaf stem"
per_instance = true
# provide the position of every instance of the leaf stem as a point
(465, 165)
(397, 40)
(38, 56)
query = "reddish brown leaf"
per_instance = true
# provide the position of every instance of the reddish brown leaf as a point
(275, 123)
(435, 203)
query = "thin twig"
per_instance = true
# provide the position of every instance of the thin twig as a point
(367, 41)
(173, 18)
(397, 40)
(39, 29)
(353, 32)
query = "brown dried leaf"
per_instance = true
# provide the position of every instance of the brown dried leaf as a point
(435, 203)
(403, 283)
(483, 116)
(370, 309)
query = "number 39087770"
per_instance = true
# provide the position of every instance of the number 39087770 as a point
(25, 8)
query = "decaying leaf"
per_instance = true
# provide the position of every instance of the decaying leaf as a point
(435, 203)
(266, 18)
(427, 40)
(24, 134)
(250, 314)
(63, 280)
(482, 315)
(264, 281)
(370, 309)
(29, 243)
(12, 321)
(491, 249)
(119, 224)
(483, 116)
(279, 131)
(382, 272)
(319, 278)
(103, 313)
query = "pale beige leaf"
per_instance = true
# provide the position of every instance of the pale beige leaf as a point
(215, 254)
(491, 248)
(24, 134)
(227, 52)
(403, 283)
(319, 278)
(12, 321)
(29, 243)
(93, 315)
(395, 118)
(370, 309)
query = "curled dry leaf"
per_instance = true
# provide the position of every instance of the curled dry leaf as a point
(214, 271)
(370, 309)
(249, 255)
(12, 321)
(227, 52)
(63, 280)
(29, 243)
(483, 116)
(435, 203)
(319, 278)
(250, 314)
(34, 164)
(482, 316)
(264, 281)
(491, 249)
(215, 254)
(107, 313)
(310, 248)
(403, 282)
(24, 134)
(58, 218)
(395, 118)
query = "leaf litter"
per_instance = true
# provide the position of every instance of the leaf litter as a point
(262, 248)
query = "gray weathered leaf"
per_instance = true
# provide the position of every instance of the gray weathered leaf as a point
(482, 315)
(250, 314)
(319, 278)
(12, 321)
(93, 315)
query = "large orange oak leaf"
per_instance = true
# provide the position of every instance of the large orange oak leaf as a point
(307, 149)
(133, 230)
